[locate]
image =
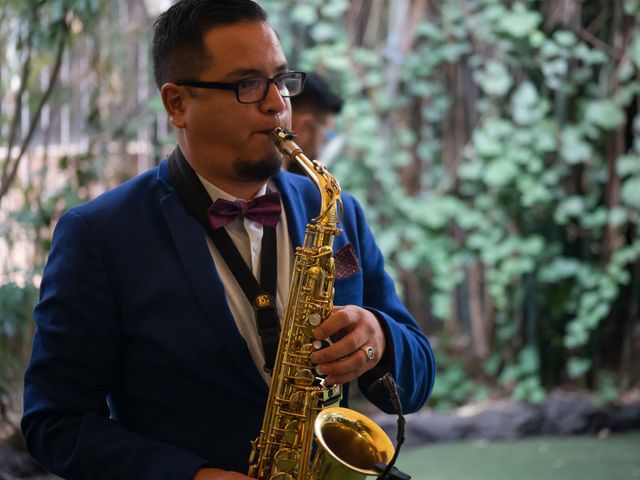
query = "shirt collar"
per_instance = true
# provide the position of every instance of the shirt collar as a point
(216, 192)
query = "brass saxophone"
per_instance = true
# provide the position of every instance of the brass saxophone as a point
(301, 409)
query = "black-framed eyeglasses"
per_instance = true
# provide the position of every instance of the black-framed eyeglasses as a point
(255, 89)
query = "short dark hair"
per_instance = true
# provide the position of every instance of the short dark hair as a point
(178, 34)
(318, 95)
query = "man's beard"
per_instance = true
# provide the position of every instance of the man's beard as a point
(260, 170)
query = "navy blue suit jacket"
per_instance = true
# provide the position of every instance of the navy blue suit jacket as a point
(138, 370)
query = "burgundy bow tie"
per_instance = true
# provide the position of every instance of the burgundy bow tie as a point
(264, 210)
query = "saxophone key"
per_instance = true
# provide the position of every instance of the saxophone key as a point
(314, 319)
(315, 280)
(304, 377)
(285, 460)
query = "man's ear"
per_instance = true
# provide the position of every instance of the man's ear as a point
(174, 98)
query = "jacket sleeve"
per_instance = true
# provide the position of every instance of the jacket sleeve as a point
(74, 365)
(408, 356)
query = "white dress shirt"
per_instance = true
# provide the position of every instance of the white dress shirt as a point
(247, 236)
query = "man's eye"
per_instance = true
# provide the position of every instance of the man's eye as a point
(250, 83)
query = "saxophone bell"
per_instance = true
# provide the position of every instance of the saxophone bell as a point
(349, 446)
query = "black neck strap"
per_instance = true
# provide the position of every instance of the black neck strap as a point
(196, 200)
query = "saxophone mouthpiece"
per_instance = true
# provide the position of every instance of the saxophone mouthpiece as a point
(283, 140)
(281, 134)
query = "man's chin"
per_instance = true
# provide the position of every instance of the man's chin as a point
(259, 170)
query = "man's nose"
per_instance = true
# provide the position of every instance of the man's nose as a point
(273, 102)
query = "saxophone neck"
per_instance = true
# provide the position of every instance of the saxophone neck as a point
(327, 185)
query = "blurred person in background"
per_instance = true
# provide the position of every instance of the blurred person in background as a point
(313, 117)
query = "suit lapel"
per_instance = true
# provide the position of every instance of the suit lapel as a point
(190, 240)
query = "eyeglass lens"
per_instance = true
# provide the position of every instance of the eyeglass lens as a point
(256, 89)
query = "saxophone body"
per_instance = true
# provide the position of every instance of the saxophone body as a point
(305, 434)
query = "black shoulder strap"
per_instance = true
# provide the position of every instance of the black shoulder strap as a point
(196, 200)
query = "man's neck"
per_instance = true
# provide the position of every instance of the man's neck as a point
(240, 190)
(244, 190)
(216, 191)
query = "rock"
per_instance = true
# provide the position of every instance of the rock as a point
(567, 414)
(506, 421)
(623, 418)
(560, 414)
(445, 428)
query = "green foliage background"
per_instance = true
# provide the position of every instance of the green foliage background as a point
(494, 145)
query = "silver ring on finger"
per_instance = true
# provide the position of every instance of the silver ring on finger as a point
(369, 352)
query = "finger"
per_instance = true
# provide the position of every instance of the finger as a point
(341, 348)
(339, 379)
(337, 321)
(345, 369)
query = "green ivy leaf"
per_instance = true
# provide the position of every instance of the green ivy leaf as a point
(632, 7)
(441, 305)
(529, 361)
(564, 38)
(339, 63)
(604, 114)
(555, 69)
(305, 14)
(590, 56)
(524, 104)
(494, 79)
(451, 52)
(634, 51)
(576, 336)
(429, 30)
(500, 173)
(576, 366)
(630, 192)
(533, 246)
(323, 32)
(594, 219)
(574, 149)
(471, 170)
(509, 375)
(618, 216)
(335, 8)
(573, 206)
(559, 269)
(492, 364)
(626, 93)
(487, 145)
(537, 39)
(519, 22)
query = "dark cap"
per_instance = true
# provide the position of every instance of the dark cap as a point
(317, 94)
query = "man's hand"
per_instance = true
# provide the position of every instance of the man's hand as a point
(217, 474)
(356, 331)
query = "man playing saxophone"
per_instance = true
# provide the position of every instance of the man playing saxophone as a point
(155, 326)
